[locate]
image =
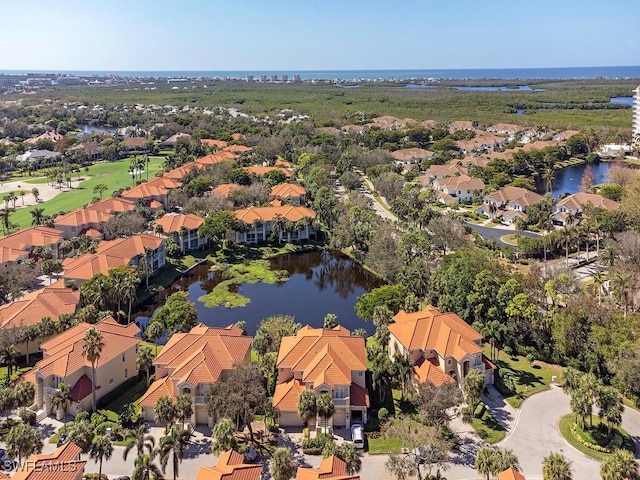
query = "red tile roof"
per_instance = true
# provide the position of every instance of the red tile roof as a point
(226, 189)
(156, 187)
(49, 302)
(266, 214)
(96, 213)
(27, 238)
(287, 190)
(331, 468)
(199, 356)
(63, 464)
(237, 148)
(323, 356)
(260, 171)
(62, 354)
(510, 474)
(446, 333)
(213, 143)
(180, 172)
(81, 389)
(230, 466)
(134, 142)
(111, 254)
(217, 158)
(173, 222)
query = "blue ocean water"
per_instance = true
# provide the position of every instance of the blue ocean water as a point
(459, 74)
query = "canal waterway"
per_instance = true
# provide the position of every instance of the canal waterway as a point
(320, 282)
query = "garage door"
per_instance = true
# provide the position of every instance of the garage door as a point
(339, 420)
(202, 416)
(290, 419)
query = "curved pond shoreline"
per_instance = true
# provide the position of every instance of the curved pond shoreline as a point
(319, 282)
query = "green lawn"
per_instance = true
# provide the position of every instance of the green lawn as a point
(529, 378)
(129, 392)
(113, 174)
(17, 371)
(487, 428)
(565, 429)
(384, 445)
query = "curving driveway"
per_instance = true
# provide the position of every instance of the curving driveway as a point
(536, 435)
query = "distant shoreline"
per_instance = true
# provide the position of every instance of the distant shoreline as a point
(555, 73)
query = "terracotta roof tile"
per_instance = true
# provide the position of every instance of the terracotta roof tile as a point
(81, 389)
(111, 254)
(331, 468)
(430, 371)
(266, 214)
(285, 396)
(237, 148)
(262, 170)
(27, 238)
(199, 356)
(213, 143)
(579, 200)
(62, 354)
(429, 329)
(287, 190)
(226, 189)
(158, 186)
(65, 459)
(180, 172)
(217, 157)
(47, 302)
(173, 222)
(230, 466)
(162, 387)
(510, 474)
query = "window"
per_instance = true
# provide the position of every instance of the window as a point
(359, 374)
(110, 381)
(449, 362)
(123, 357)
(126, 373)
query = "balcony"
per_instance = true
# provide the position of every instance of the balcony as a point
(199, 399)
(341, 402)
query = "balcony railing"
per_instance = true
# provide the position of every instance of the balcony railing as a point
(341, 402)
(199, 399)
(50, 390)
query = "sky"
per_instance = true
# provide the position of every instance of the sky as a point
(156, 35)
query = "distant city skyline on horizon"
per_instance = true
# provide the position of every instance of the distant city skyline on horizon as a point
(250, 35)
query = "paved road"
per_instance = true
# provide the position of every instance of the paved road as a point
(489, 233)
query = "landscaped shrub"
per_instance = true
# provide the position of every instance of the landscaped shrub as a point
(27, 416)
(467, 414)
(578, 436)
(314, 446)
(383, 414)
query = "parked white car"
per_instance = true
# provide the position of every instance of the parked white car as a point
(357, 435)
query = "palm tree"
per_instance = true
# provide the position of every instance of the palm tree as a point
(599, 279)
(282, 466)
(484, 461)
(350, 455)
(61, 400)
(22, 441)
(91, 350)
(9, 356)
(11, 197)
(153, 332)
(5, 214)
(404, 371)
(224, 435)
(29, 334)
(556, 467)
(307, 408)
(140, 440)
(570, 379)
(325, 408)
(184, 407)
(519, 223)
(46, 327)
(621, 283)
(101, 448)
(619, 466)
(145, 469)
(144, 361)
(36, 194)
(330, 321)
(173, 446)
(549, 176)
(22, 194)
(37, 214)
